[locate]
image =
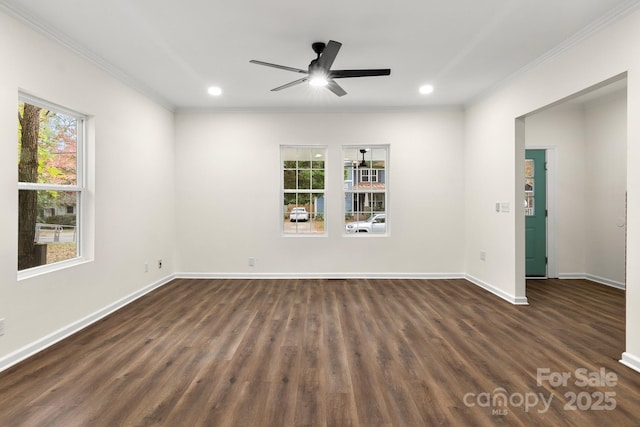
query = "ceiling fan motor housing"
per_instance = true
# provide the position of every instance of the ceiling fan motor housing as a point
(318, 47)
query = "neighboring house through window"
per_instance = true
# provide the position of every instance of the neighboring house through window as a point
(365, 188)
(368, 175)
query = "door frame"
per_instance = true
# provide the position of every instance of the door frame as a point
(552, 207)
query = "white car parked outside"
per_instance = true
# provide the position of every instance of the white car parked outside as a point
(374, 224)
(299, 214)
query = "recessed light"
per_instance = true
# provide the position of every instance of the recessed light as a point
(214, 91)
(426, 89)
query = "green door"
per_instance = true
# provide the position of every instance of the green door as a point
(535, 209)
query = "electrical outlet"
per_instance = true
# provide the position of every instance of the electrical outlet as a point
(159, 264)
(483, 255)
(146, 267)
(1, 327)
(252, 262)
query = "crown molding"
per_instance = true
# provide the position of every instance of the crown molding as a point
(614, 15)
(85, 53)
(624, 9)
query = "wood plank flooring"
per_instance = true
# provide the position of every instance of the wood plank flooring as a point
(335, 353)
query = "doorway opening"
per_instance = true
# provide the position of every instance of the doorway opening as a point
(581, 232)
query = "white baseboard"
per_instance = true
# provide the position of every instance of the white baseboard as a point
(47, 341)
(498, 292)
(418, 276)
(187, 275)
(631, 361)
(593, 278)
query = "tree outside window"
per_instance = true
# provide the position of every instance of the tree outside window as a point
(49, 183)
(303, 189)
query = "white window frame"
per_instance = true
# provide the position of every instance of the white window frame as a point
(324, 150)
(370, 175)
(79, 188)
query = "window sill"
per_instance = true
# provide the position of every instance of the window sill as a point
(364, 235)
(49, 268)
(294, 235)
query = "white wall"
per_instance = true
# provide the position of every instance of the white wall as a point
(228, 198)
(493, 153)
(131, 149)
(589, 139)
(606, 179)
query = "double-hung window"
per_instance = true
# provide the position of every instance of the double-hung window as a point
(50, 183)
(366, 181)
(303, 189)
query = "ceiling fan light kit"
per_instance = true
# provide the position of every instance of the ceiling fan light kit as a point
(319, 72)
(318, 80)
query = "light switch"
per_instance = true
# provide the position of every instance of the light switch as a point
(504, 206)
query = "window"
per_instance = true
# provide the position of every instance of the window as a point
(366, 181)
(303, 189)
(529, 181)
(50, 183)
(368, 175)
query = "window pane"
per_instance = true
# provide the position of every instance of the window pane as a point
(317, 206)
(304, 179)
(290, 199)
(378, 158)
(290, 157)
(47, 146)
(528, 168)
(317, 180)
(304, 199)
(290, 180)
(290, 164)
(305, 227)
(46, 227)
(529, 182)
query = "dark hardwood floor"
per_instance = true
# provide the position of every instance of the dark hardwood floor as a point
(332, 352)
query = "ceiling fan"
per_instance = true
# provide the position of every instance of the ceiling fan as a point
(319, 72)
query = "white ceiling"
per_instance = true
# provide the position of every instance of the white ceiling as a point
(173, 50)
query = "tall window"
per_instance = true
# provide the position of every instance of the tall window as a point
(365, 189)
(50, 183)
(303, 189)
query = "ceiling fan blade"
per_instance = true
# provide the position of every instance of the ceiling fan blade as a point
(329, 54)
(281, 67)
(343, 74)
(335, 88)
(293, 83)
